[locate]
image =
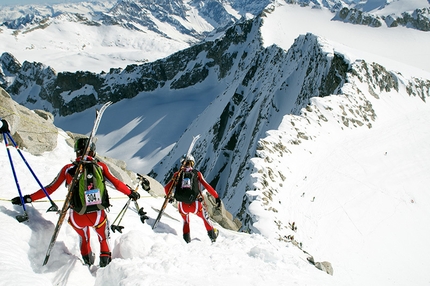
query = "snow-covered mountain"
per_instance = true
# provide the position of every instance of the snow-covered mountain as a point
(116, 33)
(284, 102)
(104, 34)
(213, 68)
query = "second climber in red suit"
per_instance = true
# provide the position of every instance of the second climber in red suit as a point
(195, 207)
(82, 223)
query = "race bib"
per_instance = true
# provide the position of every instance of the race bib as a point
(93, 197)
(186, 183)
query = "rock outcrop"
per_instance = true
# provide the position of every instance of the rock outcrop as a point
(31, 130)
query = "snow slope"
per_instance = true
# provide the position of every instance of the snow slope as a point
(358, 197)
(142, 256)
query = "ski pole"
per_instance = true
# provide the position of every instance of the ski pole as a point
(24, 217)
(120, 216)
(54, 207)
(139, 210)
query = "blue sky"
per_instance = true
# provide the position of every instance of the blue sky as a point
(26, 2)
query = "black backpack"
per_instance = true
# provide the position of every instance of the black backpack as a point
(89, 193)
(187, 189)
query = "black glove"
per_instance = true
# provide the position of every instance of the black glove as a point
(145, 184)
(17, 200)
(143, 215)
(134, 196)
(218, 202)
(4, 127)
(171, 199)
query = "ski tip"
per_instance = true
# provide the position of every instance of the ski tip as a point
(195, 138)
(46, 260)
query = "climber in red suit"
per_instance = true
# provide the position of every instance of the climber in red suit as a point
(196, 207)
(82, 223)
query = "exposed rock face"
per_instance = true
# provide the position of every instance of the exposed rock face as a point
(221, 215)
(418, 19)
(355, 16)
(323, 266)
(32, 130)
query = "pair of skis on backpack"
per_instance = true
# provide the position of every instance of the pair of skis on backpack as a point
(78, 173)
(175, 181)
(79, 170)
(213, 234)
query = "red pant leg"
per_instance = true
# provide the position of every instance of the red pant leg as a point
(183, 211)
(103, 234)
(203, 214)
(197, 209)
(82, 223)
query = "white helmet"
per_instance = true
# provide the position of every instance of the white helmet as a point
(189, 158)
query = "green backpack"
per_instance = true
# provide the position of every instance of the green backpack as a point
(90, 193)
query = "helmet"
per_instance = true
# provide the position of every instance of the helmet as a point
(81, 143)
(189, 160)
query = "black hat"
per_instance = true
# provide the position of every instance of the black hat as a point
(81, 143)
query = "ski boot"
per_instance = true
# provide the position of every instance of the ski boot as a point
(105, 259)
(89, 258)
(187, 237)
(213, 234)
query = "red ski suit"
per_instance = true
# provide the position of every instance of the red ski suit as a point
(195, 207)
(82, 223)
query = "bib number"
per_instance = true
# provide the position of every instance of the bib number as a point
(186, 183)
(93, 197)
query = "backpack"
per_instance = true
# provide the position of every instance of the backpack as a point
(187, 188)
(89, 193)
